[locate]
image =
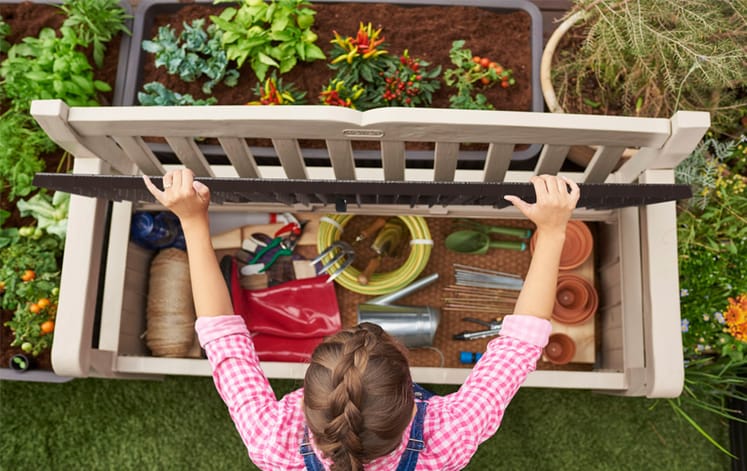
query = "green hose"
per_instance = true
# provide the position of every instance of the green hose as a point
(379, 283)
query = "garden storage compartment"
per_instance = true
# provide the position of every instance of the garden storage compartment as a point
(100, 316)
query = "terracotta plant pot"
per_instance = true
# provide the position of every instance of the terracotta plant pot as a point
(576, 300)
(577, 247)
(560, 349)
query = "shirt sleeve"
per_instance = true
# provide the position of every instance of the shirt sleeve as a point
(259, 417)
(475, 411)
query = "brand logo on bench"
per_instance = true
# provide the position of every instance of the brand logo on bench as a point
(363, 133)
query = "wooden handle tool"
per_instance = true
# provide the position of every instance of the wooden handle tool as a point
(370, 230)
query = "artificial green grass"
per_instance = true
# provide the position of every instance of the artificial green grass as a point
(181, 424)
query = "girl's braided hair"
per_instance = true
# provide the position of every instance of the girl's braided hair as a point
(358, 397)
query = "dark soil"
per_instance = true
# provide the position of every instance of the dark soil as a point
(428, 34)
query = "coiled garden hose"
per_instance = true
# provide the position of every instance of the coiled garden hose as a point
(330, 229)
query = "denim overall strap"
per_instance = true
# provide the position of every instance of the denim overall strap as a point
(309, 457)
(415, 445)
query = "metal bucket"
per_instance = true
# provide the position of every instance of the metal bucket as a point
(414, 326)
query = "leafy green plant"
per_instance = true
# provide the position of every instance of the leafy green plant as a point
(409, 82)
(712, 240)
(195, 52)
(363, 58)
(156, 94)
(95, 22)
(652, 58)
(50, 212)
(22, 143)
(4, 32)
(274, 92)
(49, 67)
(276, 33)
(471, 72)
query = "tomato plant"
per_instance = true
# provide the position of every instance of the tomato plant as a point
(470, 72)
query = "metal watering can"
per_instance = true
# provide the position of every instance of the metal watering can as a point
(414, 326)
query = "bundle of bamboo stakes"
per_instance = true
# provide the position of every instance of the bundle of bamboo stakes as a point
(481, 290)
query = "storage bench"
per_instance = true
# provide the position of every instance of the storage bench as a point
(104, 282)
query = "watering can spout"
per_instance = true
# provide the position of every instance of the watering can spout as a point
(411, 288)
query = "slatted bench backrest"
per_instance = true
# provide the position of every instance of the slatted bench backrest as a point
(116, 135)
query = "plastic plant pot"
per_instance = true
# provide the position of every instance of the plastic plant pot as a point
(576, 300)
(560, 349)
(20, 362)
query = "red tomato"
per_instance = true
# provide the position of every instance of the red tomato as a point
(485, 62)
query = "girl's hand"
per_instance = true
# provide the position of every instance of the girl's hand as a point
(185, 197)
(554, 202)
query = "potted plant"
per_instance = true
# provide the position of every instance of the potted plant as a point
(20, 362)
(651, 59)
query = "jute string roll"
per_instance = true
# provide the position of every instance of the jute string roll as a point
(170, 312)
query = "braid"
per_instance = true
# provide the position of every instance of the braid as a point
(343, 399)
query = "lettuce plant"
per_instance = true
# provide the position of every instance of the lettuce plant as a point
(269, 34)
(156, 94)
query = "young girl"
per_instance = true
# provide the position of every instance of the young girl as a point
(359, 408)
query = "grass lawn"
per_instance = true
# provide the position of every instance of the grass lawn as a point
(181, 424)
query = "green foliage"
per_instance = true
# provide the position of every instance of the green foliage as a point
(49, 67)
(22, 142)
(712, 239)
(95, 21)
(195, 52)
(654, 57)
(467, 75)
(408, 82)
(276, 33)
(156, 94)
(50, 212)
(35, 249)
(4, 32)
(275, 92)
(363, 58)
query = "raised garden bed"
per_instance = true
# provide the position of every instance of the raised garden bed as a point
(27, 19)
(507, 31)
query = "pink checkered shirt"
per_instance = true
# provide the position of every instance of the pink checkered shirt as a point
(455, 424)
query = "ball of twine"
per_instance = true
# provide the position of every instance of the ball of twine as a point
(170, 312)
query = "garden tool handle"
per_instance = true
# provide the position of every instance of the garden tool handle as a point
(371, 230)
(509, 245)
(370, 269)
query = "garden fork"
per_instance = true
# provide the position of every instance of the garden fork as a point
(346, 256)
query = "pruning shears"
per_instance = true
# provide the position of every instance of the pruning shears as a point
(493, 328)
(285, 241)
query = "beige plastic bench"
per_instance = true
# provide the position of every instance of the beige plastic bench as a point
(641, 351)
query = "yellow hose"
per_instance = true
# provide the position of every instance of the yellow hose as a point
(379, 283)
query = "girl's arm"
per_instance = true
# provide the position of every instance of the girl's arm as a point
(189, 200)
(237, 374)
(477, 408)
(550, 214)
